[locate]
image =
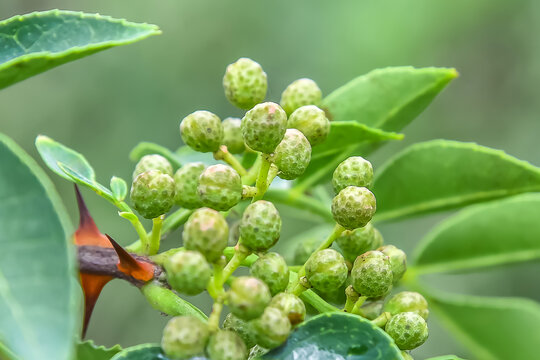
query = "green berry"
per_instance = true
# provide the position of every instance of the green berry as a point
(326, 270)
(312, 122)
(291, 306)
(153, 162)
(353, 171)
(186, 181)
(206, 231)
(202, 131)
(241, 328)
(260, 226)
(226, 345)
(353, 207)
(188, 272)
(407, 301)
(248, 296)
(232, 135)
(292, 155)
(245, 83)
(398, 260)
(371, 274)
(272, 328)
(264, 126)
(152, 193)
(356, 242)
(299, 93)
(409, 330)
(304, 249)
(220, 187)
(372, 309)
(184, 337)
(272, 269)
(377, 240)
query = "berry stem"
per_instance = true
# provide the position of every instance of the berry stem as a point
(155, 236)
(251, 175)
(262, 179)
(352, 298)
(382, 319)
(248, 191)
(310, 297)
(223, 154)
(139, 228)
(168, 302)
(240, 254)
(213, 319)
(357, 308)
(301, 286)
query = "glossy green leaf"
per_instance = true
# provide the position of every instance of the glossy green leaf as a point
(87, 350)
(441, 174)
(334, 336)
(119, 188)
(446, 357)
(146, 352)
(36, 262)
(33, 43)
(484, 235)
(148, 148)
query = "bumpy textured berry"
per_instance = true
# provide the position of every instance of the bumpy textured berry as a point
(186, 181)
(245, 83)
(291, 306)
(272, 269)
(226, 345)
(407, 301)
(371, 274)
(356, 242)
(206, 231)
(260, 226)
(326, 270)
(312, 122)
(272, 328)
(241, 328)
(409, 330)
(299, 93)
(220, 187)
(354, 207)
(184, 337)
(304, 249)
(292, 155)
(152, 193)
(248, 296)
(188, 272)
(153, 162)
(263, 127)
(202, 131)
(232, 135)
(398, 260)
(354, 171)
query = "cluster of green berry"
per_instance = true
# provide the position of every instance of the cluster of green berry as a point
(266, 306)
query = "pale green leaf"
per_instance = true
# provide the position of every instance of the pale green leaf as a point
(446, 357)
(87, 350)
(119, 188)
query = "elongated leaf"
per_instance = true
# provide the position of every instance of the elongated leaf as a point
(148, 148)
(441, 174)
(39, 294)
(146, 352)
(33, 43)
(388, 98)
(496, 233)
(87, 350)
(119, 188)
(446, 357)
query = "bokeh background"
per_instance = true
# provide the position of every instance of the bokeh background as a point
(105, 104)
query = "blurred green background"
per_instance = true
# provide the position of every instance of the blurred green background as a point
(105, 104)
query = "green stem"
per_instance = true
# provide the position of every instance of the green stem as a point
(352, 298)
(301, 286)
(382, 319)
(251, 175)
(168, 302)
(225, 155)
(302, 201)
(213, 320)
(262, 178)
(248, 191)
(155, 235)
(310, 297)
(141, 231)
(248, 261)
(240, 254)
(357, 308)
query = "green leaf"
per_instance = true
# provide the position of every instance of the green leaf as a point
(389, 98)
(148, 148)
(36, 262)
(446, 357)
(441, 174)
(87, 350)
(33, 43)
(119, 188)
(146, 352)
(336, 335)
(484, 235)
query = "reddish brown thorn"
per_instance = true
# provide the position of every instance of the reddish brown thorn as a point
(92, 286)
(140, 270)
(88, 233)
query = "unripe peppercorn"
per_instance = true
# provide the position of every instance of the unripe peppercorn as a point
(290, 305)
(153, 162)
(353, 207)
(220, 187)
(312, 122)
(371, 274)
(232, 135)
(326, 270)
(226, 345)
(272, 269)
(245, 83)
(188, 272)
(206, 231)
(299, 93)
(260, 226)
(356, 242)
(263, 127)
(407, 301)
(248, 296)
(186, 181)
(398, 260)
(202, 131)
(184, 337)
(272, 328)
(152, 193)
(409, 330)
(292, 155)
(353, 171)
(241, 328)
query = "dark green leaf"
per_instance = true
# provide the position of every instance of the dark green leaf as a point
(36, 262)
(87, 350)
(146, 352)
(446, 357)
(33, 43)
(441, 174)
(148, 148)
(119, 188)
